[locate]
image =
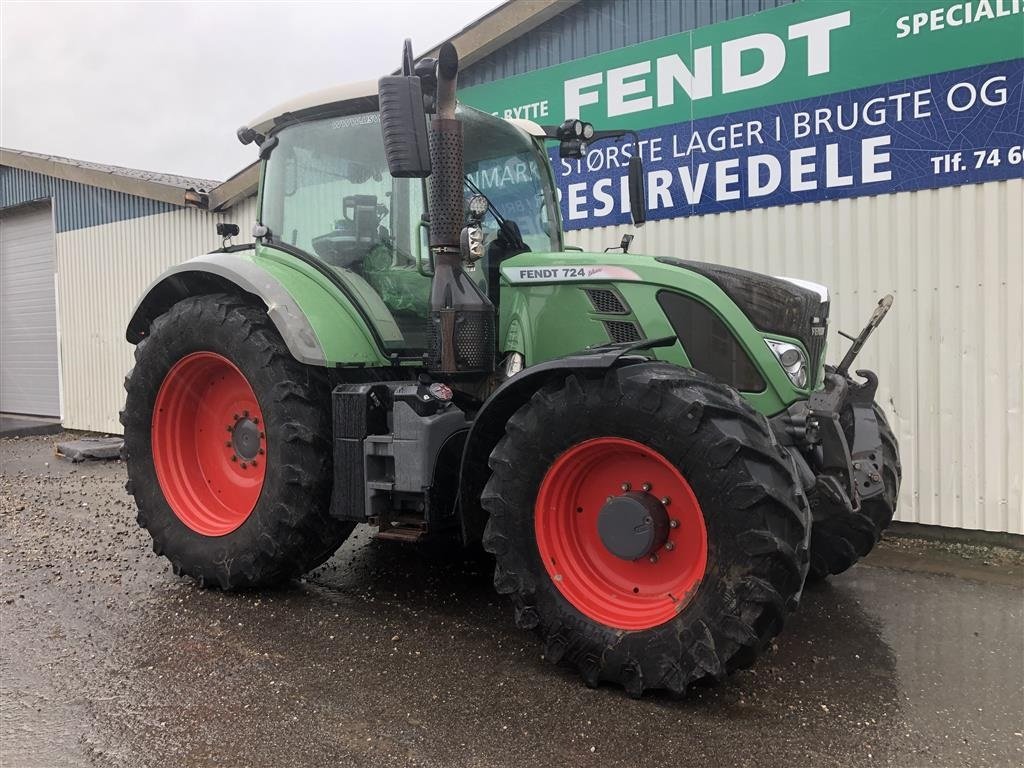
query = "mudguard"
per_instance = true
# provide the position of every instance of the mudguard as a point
(489, 423)
(238, 271)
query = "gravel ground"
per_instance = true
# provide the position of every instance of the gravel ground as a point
(388, 656)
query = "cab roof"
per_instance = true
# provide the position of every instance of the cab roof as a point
(350, 98)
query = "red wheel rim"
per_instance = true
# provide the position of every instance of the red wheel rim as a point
(208, 443)
(625, 594)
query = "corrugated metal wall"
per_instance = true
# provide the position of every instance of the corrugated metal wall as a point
(949, 355)
(102, 273)
(596, 26)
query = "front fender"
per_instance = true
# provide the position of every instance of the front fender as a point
(489, 423)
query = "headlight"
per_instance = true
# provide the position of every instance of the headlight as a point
(792, 359)
(513, 364)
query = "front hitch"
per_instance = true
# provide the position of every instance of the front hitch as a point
(835, 480)
(851, 452)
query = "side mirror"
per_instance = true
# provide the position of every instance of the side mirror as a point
(637, 191)
(403, 121)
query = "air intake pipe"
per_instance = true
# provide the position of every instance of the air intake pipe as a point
(462, 318)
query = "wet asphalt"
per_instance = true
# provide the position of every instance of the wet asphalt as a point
(389, 656)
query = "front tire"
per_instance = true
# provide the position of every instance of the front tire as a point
(227, 442)
(738, 526)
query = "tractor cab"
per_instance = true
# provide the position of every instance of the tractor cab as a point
(327, 192)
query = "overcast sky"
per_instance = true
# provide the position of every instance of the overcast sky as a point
(163, 85)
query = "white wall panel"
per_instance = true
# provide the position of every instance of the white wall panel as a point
(949, 355)
(102, 273)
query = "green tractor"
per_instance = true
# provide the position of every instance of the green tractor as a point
(652, 449)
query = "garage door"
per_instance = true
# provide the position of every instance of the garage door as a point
(28, 313)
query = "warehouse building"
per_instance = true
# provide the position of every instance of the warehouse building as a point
(772, 141)
(79, 243)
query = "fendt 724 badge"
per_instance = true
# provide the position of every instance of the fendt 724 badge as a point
(653, 449)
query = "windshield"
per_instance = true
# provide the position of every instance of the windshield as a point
(327, 192)
(506, 166)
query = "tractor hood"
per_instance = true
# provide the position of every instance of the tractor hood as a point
(623, 297)
(794, 308)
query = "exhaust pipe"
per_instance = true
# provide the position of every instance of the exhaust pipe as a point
(445, 193)
(461, 322)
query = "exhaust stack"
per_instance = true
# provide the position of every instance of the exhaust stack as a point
(461, 332)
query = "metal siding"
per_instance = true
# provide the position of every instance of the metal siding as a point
(949, 355)
(29, 382)
(597, 26)
(102, 273)
(75, 205)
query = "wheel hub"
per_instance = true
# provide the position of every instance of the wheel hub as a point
(633, 525)
(245, 438)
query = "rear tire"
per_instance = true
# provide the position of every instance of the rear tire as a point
(840, 538)
(261, 517)
(749, 506)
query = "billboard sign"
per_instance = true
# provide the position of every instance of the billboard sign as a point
(811, 101)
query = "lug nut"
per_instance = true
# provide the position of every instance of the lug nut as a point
(245, 414)
(234, 458)
(668, 544)
(243, 465)
(673, 523)
(609, 498)
(255, 421)
(236, 417)
(261, 451)
(665, 501)
(230, 429)
(646, 487)
(626, 486)
(227, 444)
(654, 558)
(254, 462)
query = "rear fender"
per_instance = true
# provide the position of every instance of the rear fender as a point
(239, 273)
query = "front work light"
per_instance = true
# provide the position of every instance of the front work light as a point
(792, 359)
(478, 205)
(472, 244)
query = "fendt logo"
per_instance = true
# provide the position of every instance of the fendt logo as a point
(627, 89)
(568, 273)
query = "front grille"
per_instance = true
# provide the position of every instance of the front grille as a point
(622, 332)
(814, 340)
(607, 302)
